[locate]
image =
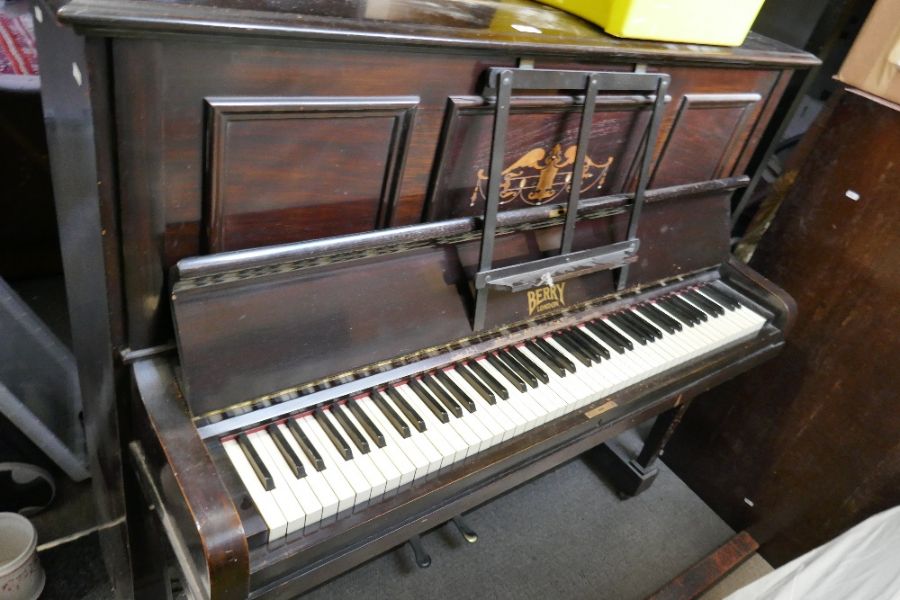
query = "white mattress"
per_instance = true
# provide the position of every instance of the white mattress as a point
(861, 564)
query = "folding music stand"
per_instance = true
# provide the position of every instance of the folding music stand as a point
(567, 264)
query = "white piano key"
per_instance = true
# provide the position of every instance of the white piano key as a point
(300, 488)
(291, 509)
(265, 503)
(333, 460)
(448, 443)
(492, 416)
(518, 401)
(379, 458)
(427, 449)
(330, 500)
(408, 467)
(363, 462)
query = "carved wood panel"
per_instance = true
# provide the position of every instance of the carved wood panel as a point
(540, 151)
(720, 121)
(327, 166)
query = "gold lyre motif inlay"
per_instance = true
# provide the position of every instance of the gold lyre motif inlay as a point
(539, 177)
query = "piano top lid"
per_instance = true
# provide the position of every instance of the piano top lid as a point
(517, 26)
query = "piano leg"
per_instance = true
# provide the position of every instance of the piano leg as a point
(631, 476)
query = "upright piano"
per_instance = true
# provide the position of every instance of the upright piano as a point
(341, 272)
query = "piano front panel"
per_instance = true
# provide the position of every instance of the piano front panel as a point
(288, 169)
(309, 178)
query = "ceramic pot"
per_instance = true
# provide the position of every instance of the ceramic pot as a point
(21, 575)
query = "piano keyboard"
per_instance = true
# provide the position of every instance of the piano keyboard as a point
(309, 469)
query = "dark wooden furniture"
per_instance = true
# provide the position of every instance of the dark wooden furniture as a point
(810, 440)
(703, 575)
(235, 140)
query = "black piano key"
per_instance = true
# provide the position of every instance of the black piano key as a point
(350, 429)
(721, 297)
(333, 434)
(678, 312)
(610, 335)
(452, 405)
(649, 328)
(612, 341)
(571, 348)
(654, 314)
(519, 369)
(598, 348)
(560, 358)
(529, 364)
(488, 379)
(699, 314)
(454, 389)
(406, 409)
(545, 358)
(702, 292)
(366, 423)
(586, 348)
(476, 384)
(256, 463)
(704, 303)
(308, 449)
(430, 401)
(630, 330)
(665, 316)
(287, 451)
(390, 414)
(508, 373)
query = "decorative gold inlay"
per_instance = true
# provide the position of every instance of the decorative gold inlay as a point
(538, 177)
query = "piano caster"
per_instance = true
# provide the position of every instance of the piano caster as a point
(423, 559)
(467, 532)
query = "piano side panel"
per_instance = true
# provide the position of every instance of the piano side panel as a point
(253, 337)
(178, 476)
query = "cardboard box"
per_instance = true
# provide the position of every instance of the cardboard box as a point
(873, 64)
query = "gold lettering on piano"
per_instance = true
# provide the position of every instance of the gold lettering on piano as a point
(539, 177)
(546, 298)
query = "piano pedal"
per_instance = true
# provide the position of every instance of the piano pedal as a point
(423, 559)
(467, 532)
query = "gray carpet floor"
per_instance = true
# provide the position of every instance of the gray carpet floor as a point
(563, 535)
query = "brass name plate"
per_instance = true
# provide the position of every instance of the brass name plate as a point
(594, 412)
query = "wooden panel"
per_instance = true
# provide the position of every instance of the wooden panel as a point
(702, 576)
(329, 166)
(694, 143)
(702, 142)
(160, 91)
(811, 439)
(539, 153)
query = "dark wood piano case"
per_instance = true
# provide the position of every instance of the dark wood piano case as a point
(182, 129)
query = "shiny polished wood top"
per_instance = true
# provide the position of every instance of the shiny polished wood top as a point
(507, 25)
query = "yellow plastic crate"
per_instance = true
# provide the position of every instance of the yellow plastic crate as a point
(720, 22)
